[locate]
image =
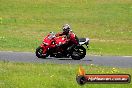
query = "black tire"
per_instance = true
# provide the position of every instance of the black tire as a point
(78, 53)
(39, 53)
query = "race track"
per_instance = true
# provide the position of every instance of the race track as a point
(114, 61)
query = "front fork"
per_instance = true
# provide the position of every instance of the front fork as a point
(44, 47)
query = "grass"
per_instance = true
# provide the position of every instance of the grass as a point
(23, 24)
(47, 75)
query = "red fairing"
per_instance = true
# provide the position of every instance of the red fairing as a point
(47, 43)
(51, 41)
(60, 40)
(71, 38)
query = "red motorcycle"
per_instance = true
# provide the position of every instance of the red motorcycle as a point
(58, 47)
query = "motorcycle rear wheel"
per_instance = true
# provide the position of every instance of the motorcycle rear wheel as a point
(40, 54)
(78, 53)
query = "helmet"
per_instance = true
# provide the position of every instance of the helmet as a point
(66, 28)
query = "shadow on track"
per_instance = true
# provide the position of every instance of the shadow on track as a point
(73, 60)
(65, 59)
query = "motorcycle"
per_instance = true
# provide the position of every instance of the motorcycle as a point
(57, 47)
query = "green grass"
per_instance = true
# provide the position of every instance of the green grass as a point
(47, 75)
(23, 24)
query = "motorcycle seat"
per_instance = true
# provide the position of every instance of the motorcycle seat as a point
(82, 39)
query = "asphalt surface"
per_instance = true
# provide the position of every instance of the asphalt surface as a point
(114, 61)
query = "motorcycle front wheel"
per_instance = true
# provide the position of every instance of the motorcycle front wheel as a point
(78, 53)
(40, 54)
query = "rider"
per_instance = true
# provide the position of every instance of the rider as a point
(71, 37)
